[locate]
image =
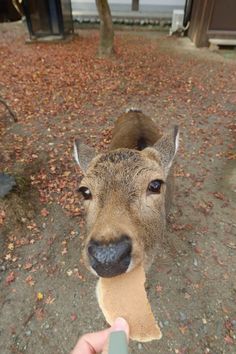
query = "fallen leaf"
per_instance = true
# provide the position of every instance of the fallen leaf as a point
(64, 251)
(27, 266)
(39, 314)
(50, 300)
(228, 339)
(10, 277)
(29, 280)
(10, 246)
(44, 212)
(219, 195)
(183, 329)
(159, 288)
(73, 317)
(2, 216)
(39, 296)
(180, 227)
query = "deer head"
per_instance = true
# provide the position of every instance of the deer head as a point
(124, 193)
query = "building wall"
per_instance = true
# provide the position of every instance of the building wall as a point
(125, 5)
(142, 2)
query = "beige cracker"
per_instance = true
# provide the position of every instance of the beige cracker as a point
(125, 296)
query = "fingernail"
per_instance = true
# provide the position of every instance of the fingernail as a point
(120, 324)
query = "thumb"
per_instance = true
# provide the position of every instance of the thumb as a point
(120, 324)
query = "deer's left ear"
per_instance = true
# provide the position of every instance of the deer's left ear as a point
(167, 148)
(83, 154)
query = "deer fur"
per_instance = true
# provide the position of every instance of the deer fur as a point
(119, 180)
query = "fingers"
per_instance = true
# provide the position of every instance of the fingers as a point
(120, 324)
(93, 343)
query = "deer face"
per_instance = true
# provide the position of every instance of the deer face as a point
(124, 197)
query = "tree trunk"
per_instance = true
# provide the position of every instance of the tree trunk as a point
(135, 5)
(106, 46)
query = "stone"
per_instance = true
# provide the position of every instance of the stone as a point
(7, 182)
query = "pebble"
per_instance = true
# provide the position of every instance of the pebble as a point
(45, 325)
(182, 316)
(233, 323)
(222, 225)
(28, 333)
(205, 329)
(218, 328)
(7, 182)
(195, 262)
(166, 323)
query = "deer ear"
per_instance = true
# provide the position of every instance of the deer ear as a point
(167, 147)
(83, 154)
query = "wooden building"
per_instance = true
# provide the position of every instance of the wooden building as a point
(211, 21)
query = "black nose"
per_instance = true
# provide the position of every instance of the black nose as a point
(110, 259)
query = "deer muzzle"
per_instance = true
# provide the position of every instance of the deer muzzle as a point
(110, 259)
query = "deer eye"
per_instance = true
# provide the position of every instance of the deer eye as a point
(85, 193)
(155, 186)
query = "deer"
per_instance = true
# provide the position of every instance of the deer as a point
(127, 194)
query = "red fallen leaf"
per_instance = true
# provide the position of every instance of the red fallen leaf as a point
(44, 212)
(73, 317)
(229, 325)
(2, 216)
(179, 227)
(159, 288)
(219, 195)
(216, 257)
(50, 300)
(197, 250)
(29, 280)
(205, 207)
(27, 266)
(231, 156)
(10, 278)
(228, 339)
(181, 351)
(225, 309)
(39, 313)
(77, 274)
(32, 226)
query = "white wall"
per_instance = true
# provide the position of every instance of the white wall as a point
(142, 2)
(163, 6)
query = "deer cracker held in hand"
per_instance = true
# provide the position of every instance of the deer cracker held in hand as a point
(127, 194)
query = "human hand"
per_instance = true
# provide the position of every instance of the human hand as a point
(94, 343)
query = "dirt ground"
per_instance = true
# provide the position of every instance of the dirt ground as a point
(59, 91)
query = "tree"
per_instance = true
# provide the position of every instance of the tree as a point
(106, 46)
(135, 5)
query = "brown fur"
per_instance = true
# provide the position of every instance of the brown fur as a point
(134, 129)
(118, 181)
